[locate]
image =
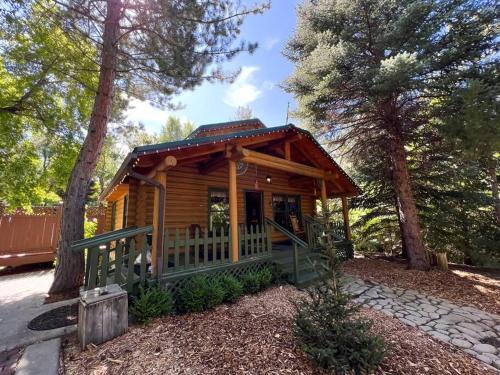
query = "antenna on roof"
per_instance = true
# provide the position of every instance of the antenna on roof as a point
(287, 109)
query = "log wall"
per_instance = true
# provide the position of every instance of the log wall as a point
(187, 196)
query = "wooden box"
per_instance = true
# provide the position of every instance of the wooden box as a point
(103, 314)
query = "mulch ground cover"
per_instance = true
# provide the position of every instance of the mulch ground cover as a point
(460, 285)
(56, 318)
(253, 336)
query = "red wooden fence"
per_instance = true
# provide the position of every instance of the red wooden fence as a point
(27, 238)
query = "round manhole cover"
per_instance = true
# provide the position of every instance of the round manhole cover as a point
(56, 318)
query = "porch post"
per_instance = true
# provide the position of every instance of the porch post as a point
(345, 212)
(324, 198)
(233, 210)
(158, 224)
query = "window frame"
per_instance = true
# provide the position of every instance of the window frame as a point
(286, 211)
(209, 206)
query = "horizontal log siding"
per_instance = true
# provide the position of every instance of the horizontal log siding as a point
(187, 194)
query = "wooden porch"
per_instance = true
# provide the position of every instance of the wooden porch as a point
(121, 256)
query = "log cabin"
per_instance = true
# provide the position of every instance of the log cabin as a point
(230, 194)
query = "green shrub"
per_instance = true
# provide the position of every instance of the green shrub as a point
(151, 303)
(328, 327)
(233, 289)
(277, 272)
(251, 282)
(265, 278)
(214, 294)
(199, 294)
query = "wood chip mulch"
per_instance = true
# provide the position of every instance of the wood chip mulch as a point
(460, 285)
(253, 336)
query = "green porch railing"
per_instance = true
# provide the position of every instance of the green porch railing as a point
(185, 250)
(110, 258)
(315, 231)
(296, 242)
(254, 240)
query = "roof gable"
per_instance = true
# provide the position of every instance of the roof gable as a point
(222, 128)
(150, 155)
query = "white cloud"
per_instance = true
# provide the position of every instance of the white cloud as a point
(152, 117)
(270, 42)
(242, 92)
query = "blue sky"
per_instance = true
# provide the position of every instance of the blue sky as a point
(257, 85)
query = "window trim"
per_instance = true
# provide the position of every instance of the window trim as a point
(209, 210)
(287, 209)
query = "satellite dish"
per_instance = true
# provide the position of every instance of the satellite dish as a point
(241, 168)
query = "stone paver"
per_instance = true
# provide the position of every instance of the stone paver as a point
(474, 331)
(40, 358)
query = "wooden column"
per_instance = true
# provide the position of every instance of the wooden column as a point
(233, 210)
(345, 212)
(158, 225)
(324, 197)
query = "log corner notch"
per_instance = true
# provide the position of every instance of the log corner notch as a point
(163, 166)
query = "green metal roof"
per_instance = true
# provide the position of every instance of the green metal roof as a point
(195, 142)
(189, 142)
(222, 125)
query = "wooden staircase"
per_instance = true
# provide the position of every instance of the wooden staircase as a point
(310, 264)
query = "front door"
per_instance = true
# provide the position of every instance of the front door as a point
(253, 206)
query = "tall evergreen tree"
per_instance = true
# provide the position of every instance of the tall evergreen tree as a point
(147, 49)
(366, 72)
(471, 119)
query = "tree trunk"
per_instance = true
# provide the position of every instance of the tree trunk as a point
(494, 188)
(407, 210)
(404, 251)
(69, 269)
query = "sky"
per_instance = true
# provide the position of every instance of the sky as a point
(257, 85)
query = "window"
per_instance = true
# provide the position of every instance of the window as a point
(218, 209)
(125, 211)
(283, 207)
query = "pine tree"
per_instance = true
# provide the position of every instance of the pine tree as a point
(366, 71)
(148, 50)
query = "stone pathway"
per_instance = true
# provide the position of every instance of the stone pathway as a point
(474, 331)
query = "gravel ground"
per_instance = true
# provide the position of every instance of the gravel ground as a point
(253, 336)
(463, 286)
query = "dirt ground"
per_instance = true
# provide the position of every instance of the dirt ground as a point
(253, 336)
(461, 285)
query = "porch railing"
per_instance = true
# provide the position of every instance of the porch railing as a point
(296, 243)
(185, 249)
(315, 230)
(254, 240)
(110, 258)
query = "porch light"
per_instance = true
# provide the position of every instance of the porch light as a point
(268, 179)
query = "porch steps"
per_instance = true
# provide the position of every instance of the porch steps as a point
(310, 266)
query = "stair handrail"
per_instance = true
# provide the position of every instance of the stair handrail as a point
(296, 241)
(103, 238)
(287, 233)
